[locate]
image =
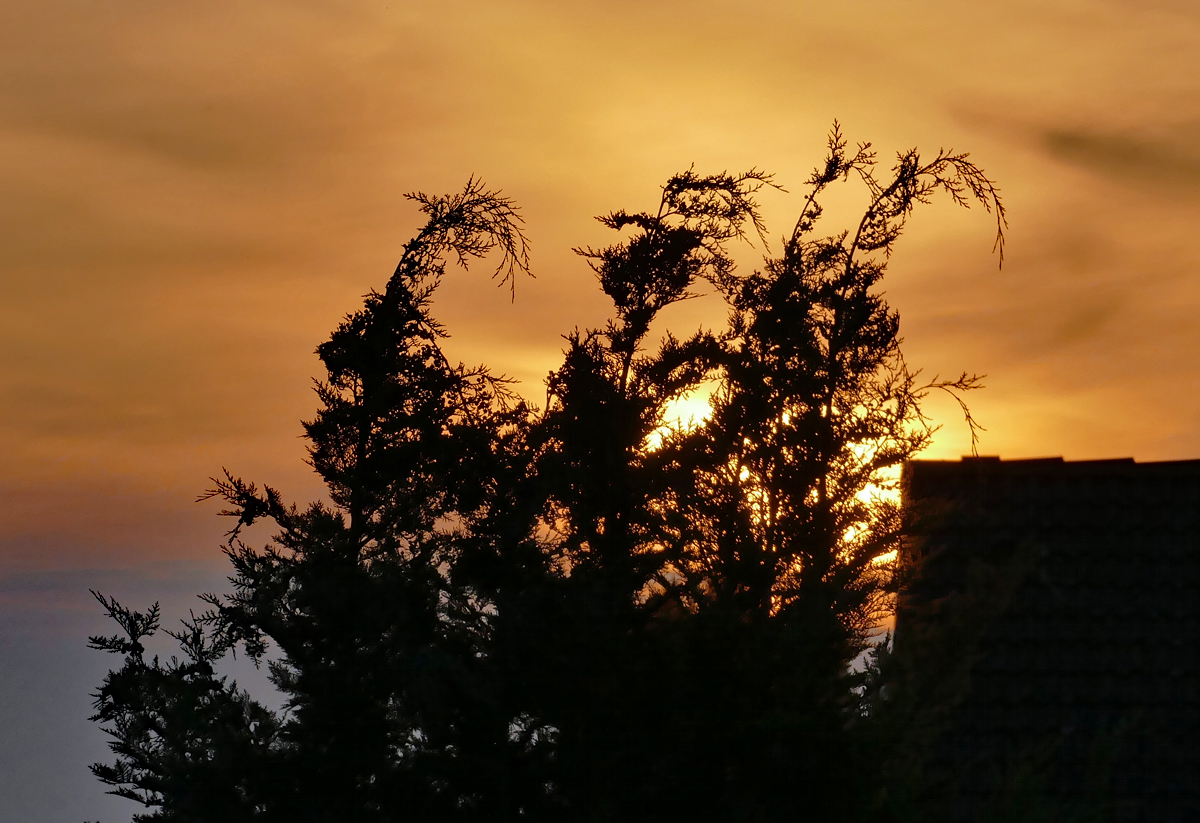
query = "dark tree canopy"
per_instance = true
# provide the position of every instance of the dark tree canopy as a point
(584, 611)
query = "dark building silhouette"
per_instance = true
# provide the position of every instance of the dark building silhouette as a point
(1078, 581)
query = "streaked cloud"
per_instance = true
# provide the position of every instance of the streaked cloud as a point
(1166, 166)
(192, 194)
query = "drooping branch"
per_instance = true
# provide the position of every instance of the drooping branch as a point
(468, 225)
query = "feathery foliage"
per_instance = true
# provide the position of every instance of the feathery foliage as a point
(583, 611)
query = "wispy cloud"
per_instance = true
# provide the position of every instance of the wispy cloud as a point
(191, 195)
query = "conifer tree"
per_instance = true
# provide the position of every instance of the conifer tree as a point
(585, 611)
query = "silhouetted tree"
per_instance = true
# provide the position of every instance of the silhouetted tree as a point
(378, 647)
(185, 740)
(587, 611)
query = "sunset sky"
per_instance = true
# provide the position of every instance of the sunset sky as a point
(192, 195)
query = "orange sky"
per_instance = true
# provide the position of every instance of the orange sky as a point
(193, 193)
